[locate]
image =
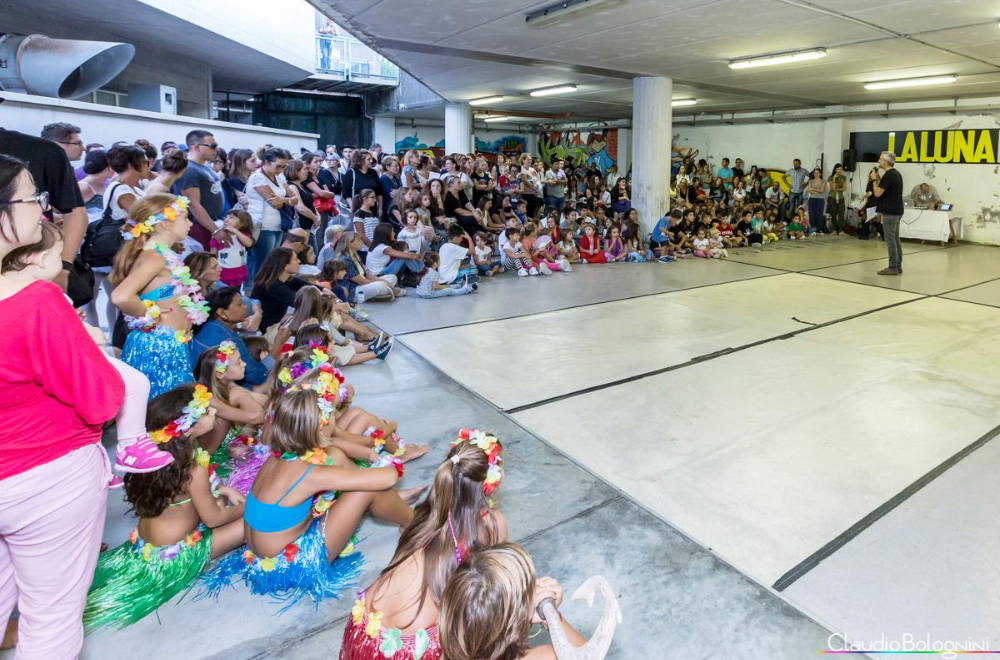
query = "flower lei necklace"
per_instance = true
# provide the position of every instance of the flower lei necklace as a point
(187, 292)
(189, 417)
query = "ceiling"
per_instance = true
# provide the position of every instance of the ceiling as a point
(159, 37)
(477, 48)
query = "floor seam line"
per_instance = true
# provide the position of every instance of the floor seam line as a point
(815, 559)
(575, 516)
(705, 358)
(592, 304)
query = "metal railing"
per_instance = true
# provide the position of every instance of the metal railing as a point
(352, 59)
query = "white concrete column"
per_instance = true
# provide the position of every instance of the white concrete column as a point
(457, 128)
(652, 117)
(384, 133)
(623, 159)
(836, 138)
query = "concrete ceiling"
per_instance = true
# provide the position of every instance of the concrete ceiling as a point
(158, 37)
(476, 48)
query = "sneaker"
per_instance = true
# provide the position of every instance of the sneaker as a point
(533, 271)
(382, 351)
(521, 272)
(402, 292)
(141, 456)
(474, 286)
(564, 264)
(375, 343)
(544, 269)
(756, 245)
(725, 253)
(116, 482)
(665, 260)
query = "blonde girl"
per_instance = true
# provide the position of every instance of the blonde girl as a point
(153, 288)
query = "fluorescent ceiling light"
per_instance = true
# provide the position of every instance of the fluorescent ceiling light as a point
(785, 58)
(486, 100)
(680, 102)
(563, 9)
(493, 119)
(911, 82)
(561, 89)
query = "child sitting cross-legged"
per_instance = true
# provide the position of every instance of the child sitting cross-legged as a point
(590, 246)
(514, 257)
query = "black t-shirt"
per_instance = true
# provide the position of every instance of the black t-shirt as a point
(205, 180)
(891, 201)
(327, 180)
(355, 181)
(477, 195)
(451, 203)
(307, 201)
(276, 299)
(737, 175)
(743, 227)
(49, 167)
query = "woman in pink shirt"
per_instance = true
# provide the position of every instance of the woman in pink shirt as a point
(56, 391)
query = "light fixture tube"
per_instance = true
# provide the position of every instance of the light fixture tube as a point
(561, 89)
(784, 58)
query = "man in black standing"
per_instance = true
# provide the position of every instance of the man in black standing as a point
(889, 192)
(203, 188)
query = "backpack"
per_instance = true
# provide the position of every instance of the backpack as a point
(103, 238)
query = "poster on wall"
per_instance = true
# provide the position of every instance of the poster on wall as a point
(966, 147)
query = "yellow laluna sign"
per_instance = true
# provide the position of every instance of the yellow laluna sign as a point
(971, 146)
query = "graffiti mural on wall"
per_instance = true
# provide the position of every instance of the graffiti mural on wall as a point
(413, 142)
(508, 145)
(582, 147)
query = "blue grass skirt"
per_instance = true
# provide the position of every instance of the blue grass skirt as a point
(301, 570)
(158, 354)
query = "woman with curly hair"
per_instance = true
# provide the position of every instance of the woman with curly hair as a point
(185, 518)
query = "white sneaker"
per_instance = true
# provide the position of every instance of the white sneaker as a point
(521, 272)
(564, 263)
(725, 253)
(543, 269)
(533, 271)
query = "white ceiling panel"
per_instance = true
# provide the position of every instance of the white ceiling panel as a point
(474, 48)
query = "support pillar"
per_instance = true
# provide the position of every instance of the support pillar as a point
(652, 117)
(457, 128)
(623, 159)
(836, 138)
(384, 133)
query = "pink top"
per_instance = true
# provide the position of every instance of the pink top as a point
(56, 387)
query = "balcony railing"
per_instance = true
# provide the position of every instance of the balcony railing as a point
(353, 60)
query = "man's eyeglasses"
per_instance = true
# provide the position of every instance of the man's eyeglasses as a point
(78, 143)
(42, 199)
(214, 145)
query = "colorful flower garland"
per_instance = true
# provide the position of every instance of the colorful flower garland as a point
(189, 417)
(491, 447)
(222, 356)
(133, 229)
(187, 294)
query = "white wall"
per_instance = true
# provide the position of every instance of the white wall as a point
(290, 25)
(106, 125)
(974, 189)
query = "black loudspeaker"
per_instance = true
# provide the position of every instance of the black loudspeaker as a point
(849, 160)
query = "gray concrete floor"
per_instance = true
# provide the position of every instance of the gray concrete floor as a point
(680, 600)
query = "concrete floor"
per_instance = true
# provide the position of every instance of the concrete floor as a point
(696, 433)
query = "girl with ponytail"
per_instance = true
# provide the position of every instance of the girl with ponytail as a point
(156, 292)
(397, 616)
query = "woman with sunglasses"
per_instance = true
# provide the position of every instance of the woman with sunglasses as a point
(53, 471)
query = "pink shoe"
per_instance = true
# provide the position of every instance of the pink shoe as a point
(116, 482)
(141, 456)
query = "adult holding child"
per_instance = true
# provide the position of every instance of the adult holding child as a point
(49, 442)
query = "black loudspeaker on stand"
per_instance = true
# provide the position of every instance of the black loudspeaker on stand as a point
(849, 159)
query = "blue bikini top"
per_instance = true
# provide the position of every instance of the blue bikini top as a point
(162, 293)
(263, 517)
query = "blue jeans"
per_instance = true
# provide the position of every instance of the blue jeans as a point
(450, 291)
(817, 219)
(557, 203)
(324, 50)
(266, 242)
(794, 201)
(396, 265)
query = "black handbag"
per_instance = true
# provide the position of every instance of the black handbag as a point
(103, 238)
